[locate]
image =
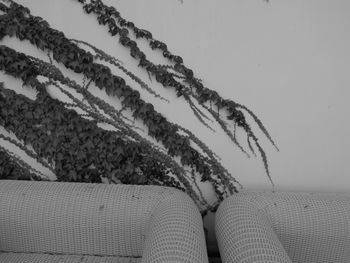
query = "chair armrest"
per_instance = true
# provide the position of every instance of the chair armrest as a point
(311, 226)
(244, 234)
(175, 232)
(149, 222)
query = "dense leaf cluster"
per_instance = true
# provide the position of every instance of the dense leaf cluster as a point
(11, 169)
(77, 147)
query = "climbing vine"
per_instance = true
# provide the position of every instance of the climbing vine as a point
(74, 146)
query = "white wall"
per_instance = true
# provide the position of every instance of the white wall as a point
(288, 61)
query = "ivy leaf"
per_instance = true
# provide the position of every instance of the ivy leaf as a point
(71, 55)
(88, 8)
(86, 59)
(101, 79)
(186, 157)
(135, 52)
(110, 90)
(12, 29)
(146, 34)
(28, 115)
(81, 155)
(103, 19)
(118, 92)
(113, 30)
(219, 103)
(89, 71)
(41, 44)
(124, 40)
(119, 150)
(19, 66)
(72, 175)
(129, 168)
(178, 59)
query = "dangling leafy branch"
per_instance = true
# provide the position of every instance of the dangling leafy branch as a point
(113, 61)
(118, 26)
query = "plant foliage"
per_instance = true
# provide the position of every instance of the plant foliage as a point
(74, 146)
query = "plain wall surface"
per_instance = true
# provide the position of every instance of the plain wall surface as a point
(288, 61)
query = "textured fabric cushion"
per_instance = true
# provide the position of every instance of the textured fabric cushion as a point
(151, 223)
(284, 227)
(45, 258)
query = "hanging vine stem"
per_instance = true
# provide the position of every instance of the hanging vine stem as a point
(231, 135)
(198, 141)
(224, 126)
(91, 112)
(115, 62)
(256, 119)
(197, 114)
(195, 108)
(198, 188)
(85, 88)
(263, 155)
(212, 158)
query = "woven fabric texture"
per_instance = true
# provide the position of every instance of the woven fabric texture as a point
(45, 258)
(145, 223)
(283, 227)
